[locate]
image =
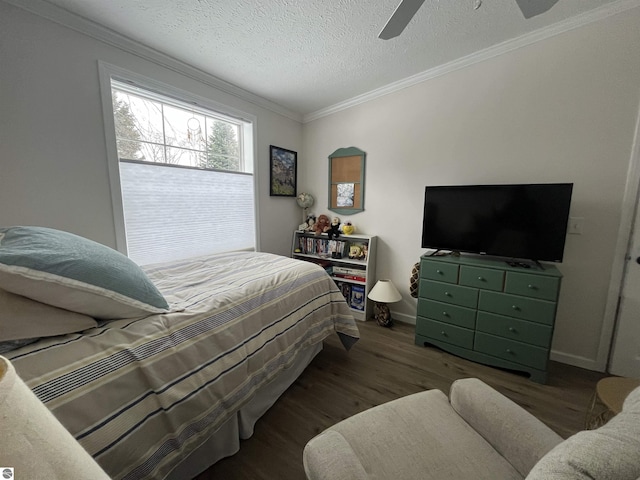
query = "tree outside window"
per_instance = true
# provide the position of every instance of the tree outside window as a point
(152, 131)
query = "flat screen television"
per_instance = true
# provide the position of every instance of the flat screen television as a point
(526, 221)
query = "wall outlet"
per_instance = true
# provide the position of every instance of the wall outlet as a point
(575, 225)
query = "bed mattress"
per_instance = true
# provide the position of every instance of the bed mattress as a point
(140, 395)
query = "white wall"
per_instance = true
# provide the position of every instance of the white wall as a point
(53, 163)
(561, 110)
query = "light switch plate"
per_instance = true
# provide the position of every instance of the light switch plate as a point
(575, 225)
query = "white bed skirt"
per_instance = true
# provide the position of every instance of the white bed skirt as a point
(226, 441)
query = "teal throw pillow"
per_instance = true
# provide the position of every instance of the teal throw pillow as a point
(76, 274)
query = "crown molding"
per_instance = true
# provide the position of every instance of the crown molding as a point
(491, 52)
(98, 32)
(87, 27)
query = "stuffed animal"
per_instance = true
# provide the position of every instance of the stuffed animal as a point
(358, 251)
(334, 229)
(322, 225)
(348, 228)
(355, 251)
(310, 223)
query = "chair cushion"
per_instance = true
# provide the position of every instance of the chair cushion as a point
(418, 436)
(611, 452)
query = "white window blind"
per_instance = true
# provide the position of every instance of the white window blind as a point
(185, 176)
(173, 213)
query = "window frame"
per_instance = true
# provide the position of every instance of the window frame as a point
(166, 101)
(107, 73)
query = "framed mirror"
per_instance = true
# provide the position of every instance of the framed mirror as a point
(346, 181)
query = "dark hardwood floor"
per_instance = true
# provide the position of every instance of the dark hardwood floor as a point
(386, 364)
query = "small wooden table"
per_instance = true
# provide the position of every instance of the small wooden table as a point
(608, 399)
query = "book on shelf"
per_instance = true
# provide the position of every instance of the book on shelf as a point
(345, 288)
(322, 247)
(349, 270)
(350, 273)
(357, 297)
(357, 278)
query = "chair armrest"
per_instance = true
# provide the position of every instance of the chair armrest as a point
(329, 456)
(513, 432)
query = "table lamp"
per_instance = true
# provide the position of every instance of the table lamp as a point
(382, 293)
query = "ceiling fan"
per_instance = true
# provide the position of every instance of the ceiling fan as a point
(405, 11)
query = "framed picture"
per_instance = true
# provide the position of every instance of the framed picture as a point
(346, 193)
(284, 170)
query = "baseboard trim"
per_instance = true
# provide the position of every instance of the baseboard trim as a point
(576, 361)
(404, 318)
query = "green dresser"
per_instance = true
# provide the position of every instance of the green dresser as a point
(487, 311)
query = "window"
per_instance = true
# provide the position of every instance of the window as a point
(185, 176)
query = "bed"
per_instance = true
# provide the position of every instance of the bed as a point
(167, 394)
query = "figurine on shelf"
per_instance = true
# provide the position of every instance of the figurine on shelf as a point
(334, 228)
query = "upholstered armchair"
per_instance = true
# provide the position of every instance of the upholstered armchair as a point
(475, 434)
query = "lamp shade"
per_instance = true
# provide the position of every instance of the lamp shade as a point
(385, 292)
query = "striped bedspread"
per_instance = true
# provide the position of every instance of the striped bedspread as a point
(141, 394)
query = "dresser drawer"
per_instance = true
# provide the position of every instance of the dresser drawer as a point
(540, 311)
(447, 313)
(485, 278)
(514, 329)
(517, 352)
(448, 293)
(536, 286)
(440, 271)
(444, 332)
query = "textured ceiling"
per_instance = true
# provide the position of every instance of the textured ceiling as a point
(308, 55)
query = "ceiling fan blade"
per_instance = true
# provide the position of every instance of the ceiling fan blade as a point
(400, 18)
(531, 8)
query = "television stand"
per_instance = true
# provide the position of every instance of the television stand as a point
(488, 311)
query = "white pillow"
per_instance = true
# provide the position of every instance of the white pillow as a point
(21, 318)
(76, 274)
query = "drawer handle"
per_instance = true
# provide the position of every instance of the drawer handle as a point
(445, 314)
(515, 307)
(532, 287)
(511, 329)
(439, 271)
(447, 294)
(481, 279)
(443, 333)
(509, 351)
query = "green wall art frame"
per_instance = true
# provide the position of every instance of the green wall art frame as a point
(346, 180)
